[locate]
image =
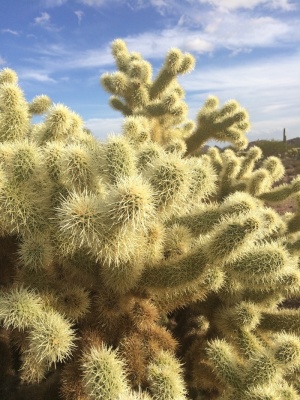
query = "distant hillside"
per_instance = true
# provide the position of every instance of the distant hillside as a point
(269, 147)
(276, 147)
(295, 142)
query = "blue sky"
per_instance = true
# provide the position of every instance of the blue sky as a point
(246, 50)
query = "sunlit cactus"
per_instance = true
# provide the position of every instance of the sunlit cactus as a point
(139, 268)
(14, 113)
(118, 159)
(19, 308)
(165, 378)
(40, 104)
(161, 100)
(79, 221)
(8, 75)
(248, 161)
(137, 129)
(229, 123)
(175, 63)
(103, 374)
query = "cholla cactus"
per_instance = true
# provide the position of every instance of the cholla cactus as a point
(161, 102)
(133, 269)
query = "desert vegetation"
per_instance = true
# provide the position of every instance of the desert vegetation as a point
(139, 268)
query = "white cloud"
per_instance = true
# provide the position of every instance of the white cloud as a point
(198, 45)
(287, 5)
(156, 44)
(11, 31)
(79, 14)
(202, 30)
(226, 5)
(234, 33)
(237, 32)
(233, 23)
(2, 61)
(260, 75)
(43, 20)
(169, 6)
(35, 75)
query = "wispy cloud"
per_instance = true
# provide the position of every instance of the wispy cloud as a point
(152, 45)
(237, 32)
(156, 44)
(164, 6)
(268, 89)
(11, 31)
(250, 4)
(35, 75)
(257, 77)
(58, 58)
(234, 33)
(53, 3)
(79, 14)
(238, 25)
(52, 50)
(44, 21)
(98, 3)
(234, 24)
(2, 61)
(243, 36)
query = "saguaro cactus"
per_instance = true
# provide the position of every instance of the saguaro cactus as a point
(134, 269)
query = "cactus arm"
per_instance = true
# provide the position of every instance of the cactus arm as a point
(177, 273)
(225, 361)
(226, 124)
(287, 320)
(103, 374)
(280, 193)
(165, 376)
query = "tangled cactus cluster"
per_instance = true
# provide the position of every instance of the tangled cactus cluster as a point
(139, 268)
